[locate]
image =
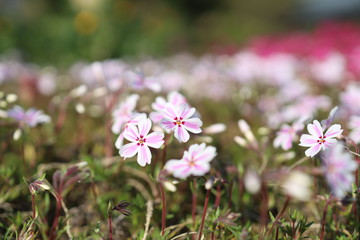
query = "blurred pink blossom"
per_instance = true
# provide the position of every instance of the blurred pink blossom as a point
(354, 124)
(31, 117)
(287, 135)
(123, 113)
(195, 162)
(339, 166)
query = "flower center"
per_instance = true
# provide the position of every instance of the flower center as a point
(141, 140)
(321, 140)
(178, 121)
(192, 163)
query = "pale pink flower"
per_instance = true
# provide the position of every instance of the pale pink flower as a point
(134, 120)
(31, 117)
(141, 140)
(287, 135)
(160, 103)
(354, 124)
(179, 119)
(317, 140)
(138, 81)
(339, 168)
(195, 162)
(350, 99)
(123, 113)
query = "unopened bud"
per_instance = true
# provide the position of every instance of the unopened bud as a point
(38, 186)
(209, 183)
(241, 141)
(245, 129)
(215, 128)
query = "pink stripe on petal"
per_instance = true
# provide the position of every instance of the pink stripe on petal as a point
(334, 131)
(144, 126)
(167, 124)
(200, 170)
(181, 134)
(313, 150)
(119, 141)
(186, 112)
(307, 140)
(129, 150)
(144, 156)
(156, 117)
(131, 133)
(315, 129)
(170, 111)
(155, 139)
(207, 155)
(193, 125)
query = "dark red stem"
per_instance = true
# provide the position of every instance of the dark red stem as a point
(218, 195)
(110, 227)
(56, 219)
(193, 205)
(280, 214)
(323, 220)
(163, 213)
(33, 206)
(204, 213)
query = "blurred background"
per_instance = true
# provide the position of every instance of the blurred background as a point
(61, 32)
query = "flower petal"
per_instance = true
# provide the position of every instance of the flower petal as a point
(307, 140)
(315, 129)
(167, 124)
(144, 156)
(131, 133)
(144, 126)
(313, 150)
(185, 111)
(334, 131)
(129, 150)
(155, 139)
(119, 141)
(193, 125)
(181, 134)
(206, 155)
(200, 169)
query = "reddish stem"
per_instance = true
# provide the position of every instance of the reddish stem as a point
(218, 195)
(163, 214)
(264, 206)
(323, 220)
(33, 206)
(110, 227)
(56, 219)
(204, 213)
(193, 206)
(280, 214)
(230, 194)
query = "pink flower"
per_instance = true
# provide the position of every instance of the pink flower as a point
(196, 161)
(141, 141)
(287, 135)
(123, 113)
(31, 117)
(134, 120)
(317, 140)
(339, 167)
(354, 124)
(160, 103)
(178, 119)
(138, 81)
